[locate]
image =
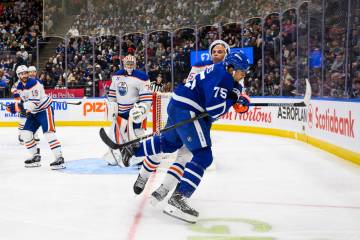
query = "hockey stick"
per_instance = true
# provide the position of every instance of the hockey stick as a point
(304, 103)
(70, 103)
(114, 145)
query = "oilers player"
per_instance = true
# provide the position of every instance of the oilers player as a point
(213, 91)
(36, 105)
(218, 51)
(22, 118)
(130, 99)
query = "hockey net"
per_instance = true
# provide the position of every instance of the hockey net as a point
(159, 114)
(159, 118)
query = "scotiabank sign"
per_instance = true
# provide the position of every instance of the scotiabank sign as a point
(330, 120)
(335, 122)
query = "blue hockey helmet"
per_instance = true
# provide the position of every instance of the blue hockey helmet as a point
(238, 60)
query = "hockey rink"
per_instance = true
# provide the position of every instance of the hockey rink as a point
(263, 188)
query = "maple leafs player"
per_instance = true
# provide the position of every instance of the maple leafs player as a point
(213, 91)
(218, 51)
(130, 99)
(36, 106)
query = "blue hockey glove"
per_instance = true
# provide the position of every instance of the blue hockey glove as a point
(15, 108)
(234, 95)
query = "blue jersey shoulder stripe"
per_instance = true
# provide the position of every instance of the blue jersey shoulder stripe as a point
(31, 82)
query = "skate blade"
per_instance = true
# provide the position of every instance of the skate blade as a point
(58, 167)
(32, 165)
(176, 213)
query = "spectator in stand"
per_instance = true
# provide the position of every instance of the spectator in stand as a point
(24, 54)
(355, 93)
(4, 83)
(158, 85)
(99, 74)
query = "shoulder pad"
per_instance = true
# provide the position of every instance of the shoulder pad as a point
(140, 74)
(120, 72)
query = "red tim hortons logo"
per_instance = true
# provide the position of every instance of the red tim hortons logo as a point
(310, 116)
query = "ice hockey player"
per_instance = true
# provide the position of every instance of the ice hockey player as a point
(36, 105)
(218, 51)
(32, 72)
(130, 100)
(214, 92)
(22, 118)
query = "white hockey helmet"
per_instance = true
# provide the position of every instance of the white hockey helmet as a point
(32, 69)
(21, 69)
(129, 63)
(221, 42)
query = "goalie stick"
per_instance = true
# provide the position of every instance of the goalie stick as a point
(114, 145)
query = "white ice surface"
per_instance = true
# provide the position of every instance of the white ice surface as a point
(264, 187)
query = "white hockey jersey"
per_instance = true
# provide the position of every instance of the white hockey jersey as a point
(33, 94)
(129, 89)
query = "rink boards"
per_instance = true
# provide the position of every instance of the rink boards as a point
(330, 125)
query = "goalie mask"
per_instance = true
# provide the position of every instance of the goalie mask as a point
(129, 64)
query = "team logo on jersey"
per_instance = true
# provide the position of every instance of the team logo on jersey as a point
(123, 88)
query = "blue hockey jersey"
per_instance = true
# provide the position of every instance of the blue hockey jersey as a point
(208, 92)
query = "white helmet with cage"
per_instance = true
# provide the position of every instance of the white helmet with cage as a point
(221, 42)
(129, 63)
(21, 69)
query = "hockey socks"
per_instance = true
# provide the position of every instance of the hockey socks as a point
(150, 164)
(191, 179)
(149, 147)
(54, 144)
(29, 141)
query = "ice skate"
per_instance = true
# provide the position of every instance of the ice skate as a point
(58, 164)
(139, 184)
(158, 195)
(178, 208)
(33, 162)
